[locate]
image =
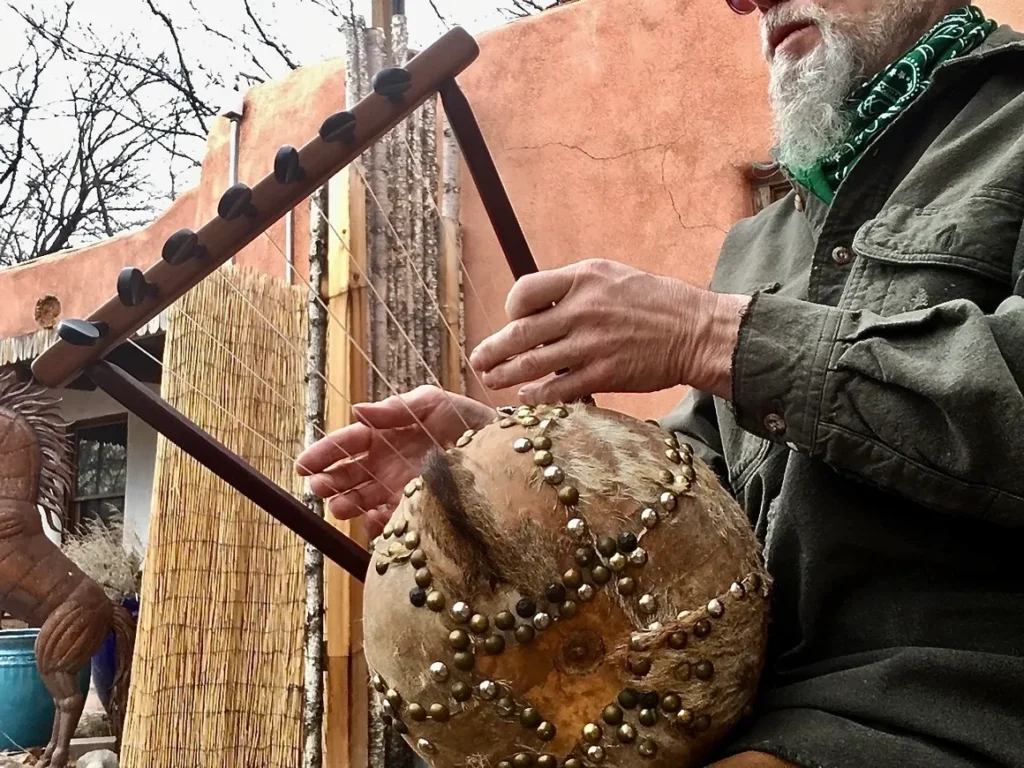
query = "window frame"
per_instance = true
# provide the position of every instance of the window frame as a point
(76, 502)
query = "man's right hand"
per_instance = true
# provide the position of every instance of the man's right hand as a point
(365, 467)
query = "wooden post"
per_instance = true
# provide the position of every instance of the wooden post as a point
(383, 11)
(316, 406)
(452, 296)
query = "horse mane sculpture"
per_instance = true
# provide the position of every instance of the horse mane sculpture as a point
(38, 583)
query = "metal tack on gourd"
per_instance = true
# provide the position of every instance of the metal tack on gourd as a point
(426, 746)
(494, 644)
(412, 540)
(592, 732)
(670, 702)
(638, 557)
(627, 542)
(542, 621)
(685, 717)
(381, 567)
(554, 475)
(595, 753)
(704, 670)
(461, 612)
(687, 473)
(546, 731)
(586, 593)
(648, 604)
(504, 620)
(617, 562)
(612, 714)
(529, 421)
(542, 443)
(677, 641)
(506, 706)
(458, 640)
(572, 578)
(673, 455)
(522, 760)
(435, 601)
(577, 527)
(568, 609)
(543, 458)
(479, 624)
(401, 526)
(418, 558)
(647, 748)
(439, 713)
(737, 591)
(423, 577)
(649, 518)
(418, 597)
(522, 445)
(626, 586)
(461, 691)
(417, 712)
(525, 634)
(716, 608)
(639, 667)
(600, 574)
(626, 733)
(488, 690)
(702, 629)
(668, 501)
(464, 660)
(463, 441)
(606, 546)
(648, 717)
(438, 672)
(569, 495)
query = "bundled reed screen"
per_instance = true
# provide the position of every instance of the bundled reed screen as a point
(217, 675)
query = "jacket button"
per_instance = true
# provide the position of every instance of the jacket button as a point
(798, 203)
(775, 424)
(842, 256)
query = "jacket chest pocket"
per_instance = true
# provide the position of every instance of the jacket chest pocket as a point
(911, 258)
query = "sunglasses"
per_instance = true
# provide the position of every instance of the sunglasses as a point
(742, 7)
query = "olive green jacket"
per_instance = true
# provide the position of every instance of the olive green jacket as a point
(876, 436)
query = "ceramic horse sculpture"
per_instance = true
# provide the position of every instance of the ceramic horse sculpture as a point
(38, 583)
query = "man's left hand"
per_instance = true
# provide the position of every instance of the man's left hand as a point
(616, 328)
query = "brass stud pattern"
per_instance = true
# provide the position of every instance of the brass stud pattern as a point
(648, 717)
(542, 443)
(439, 713)
(648, 604)
(488, 690)
(461, 691)
(569, 495)
(478, 624)
(458, 640)
(417, 712)
(543, 458)
(716, 609)
(426, 746)
(649, 518)
(569, 609)
(435, 601)
(529, 421)
(463, 441)
(702, 629)
(401, 526)
(418, 559)
(617, 562)
(612, 715)
(626, 586)
(542, 621)
(685, 717)
(738, 591)
(423, 578)
(505, 621)
(592, 732)
(673, 455)
(412, 540)
(381, 567)
(596, 754)
(704, 670)
(522, 445)
(626, 733)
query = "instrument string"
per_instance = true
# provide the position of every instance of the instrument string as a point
(295, 348)
(181, 378)
(273, 390)
(348, 335)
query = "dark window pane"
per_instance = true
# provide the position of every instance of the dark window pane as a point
(102, 460)
(105, 510)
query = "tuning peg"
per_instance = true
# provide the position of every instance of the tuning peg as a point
(287, 168)
(81, 333)
(182, 246)
(133, 288)
(392, 82)
(236, 202)
(341, 126)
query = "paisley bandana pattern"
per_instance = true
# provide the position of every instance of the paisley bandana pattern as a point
(877, 103)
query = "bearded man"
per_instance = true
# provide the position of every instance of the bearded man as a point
(856, 371)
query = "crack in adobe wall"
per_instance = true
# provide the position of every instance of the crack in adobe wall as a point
(666, 146)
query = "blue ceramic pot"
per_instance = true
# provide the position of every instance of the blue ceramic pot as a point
(26, 707)
(103, 669)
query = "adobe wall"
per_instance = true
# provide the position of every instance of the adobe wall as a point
(621, 129)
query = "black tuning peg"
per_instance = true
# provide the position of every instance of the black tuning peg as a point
(133, 288)
(81, 333)
(341, 126)
(182, 246)
(236, 202)
(287, 168)
(392, 82)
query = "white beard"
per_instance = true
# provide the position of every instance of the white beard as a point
(808, 94)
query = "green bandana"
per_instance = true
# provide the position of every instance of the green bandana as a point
(880, 100)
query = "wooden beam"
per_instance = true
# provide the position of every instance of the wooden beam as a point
(347, 702)
(383, 12)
